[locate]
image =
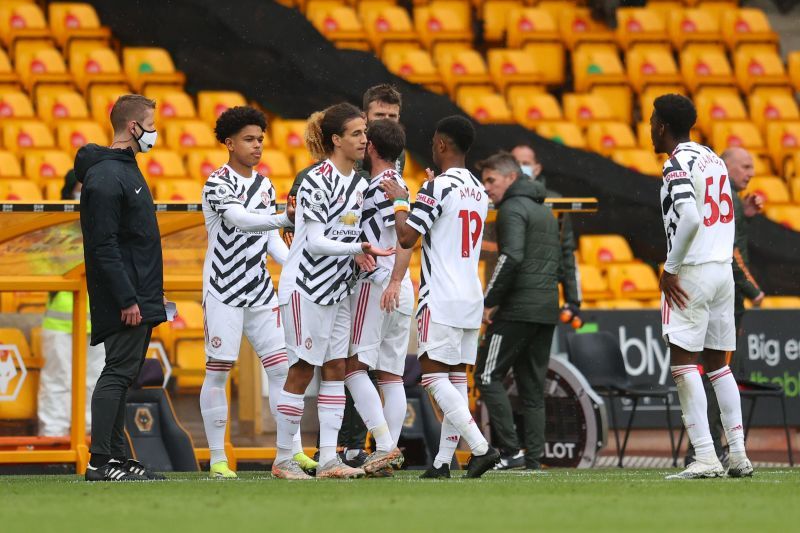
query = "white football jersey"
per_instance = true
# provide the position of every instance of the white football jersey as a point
(450, 212)
(336, 200)
(694, 174)
(235, 270)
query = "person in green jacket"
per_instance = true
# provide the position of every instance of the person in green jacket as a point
(520, 309)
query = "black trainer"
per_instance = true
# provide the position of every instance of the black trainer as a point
(478, 464)
(443, 472)
(111, 472)
(357, 461)
(135, 467)
(509, 461)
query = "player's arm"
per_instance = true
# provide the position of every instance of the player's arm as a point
(511, 224)
(237, 215)
(409, 223)
(744, 280)
(276, 248)
(319, 244)
(681, 194)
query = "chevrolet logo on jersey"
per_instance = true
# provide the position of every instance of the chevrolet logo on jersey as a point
(350, 219)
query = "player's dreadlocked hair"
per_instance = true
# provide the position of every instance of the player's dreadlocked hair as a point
(234, 119)
(459, 130)
(323, 125)
(677, 113)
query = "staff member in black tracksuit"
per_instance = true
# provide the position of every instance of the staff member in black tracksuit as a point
(124, 277)
(520, 308)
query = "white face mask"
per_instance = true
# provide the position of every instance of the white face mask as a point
(527, 170)
(147, 139)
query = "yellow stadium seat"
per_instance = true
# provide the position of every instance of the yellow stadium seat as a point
(211, 104)
(635, 281)
(24, 386)
(486, 108)
(785, 215)
(651, 65)
(597, 63)
(178, 190)
(414, 65)
(526, 25)
(47, 165)
(444, 50)
(171, 102)
(531, 107)
(282, 188)
(37, 63)
(201, 163)
(619, 99)
(339, 24)
(762, 165)
(463, 68)
(102, 99)
(766, 108)
(495, 15)
(388, 24)
(21, 20)
(288, 135)
(600, 250)
(793, 66)
(443, 20)
(55, 103)
(25, 134)
(550, 57)
(563, 132)
(513, 67)
(72, 21)
(746, 25)
(593, 284)
(770, 189)
(639, 160)
(758, 65)
(640, 25)
(161, 163)
(692, 26)
(783, 139)
(19, 191)
(586, 108)
(275, 164)
(713, 108)
(605, 137)
(91, 62)
(72, 134)
(9, 165)
(650, 93)
(577, 26)
(15, 104)
(736, 133)
(792, 168)
(186, 135)
(619, 304)
(781, 302)
(52, 189)
(145, 66)
(705, 65)
(7, 74)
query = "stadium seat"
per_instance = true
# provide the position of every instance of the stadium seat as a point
(387, 24)
(585, 108)
(577, 26)
(443, 20)
(785, 215)
(605, 137)
(639, 160)
(525, 25)
(486, 108)
(783, 139)
(75, 21)
(282, 188)
(171, 103)
(25, 134)
(793, 66)
(9, 165)
(414, 65)
(47, 165)
(55, 103)
(746, 25)
(161, 164)
(792, 167)
(692, 26)
(51, 189)
(600, 250)
(619, 99)
(289, 135)
(550, 57)
(593, 284)
(770, 189)
(145, 66)
(619, 304)
(462, 68)
(512, 67)
(275, 164)
(650, 93)
(597, 63)
(24, 407)
(495, 15)
(72, 134)
(21, 20)
(94, 63)
(640, 25)
(531, 107)
(781, 302)
(339, 24)
(178, 190)
(705, 65)
(15, 104)
(651, 65)
(211, 104)
(39, 63)
(7, 74)
(563, 132)
(713, 107)
(635, 281)
(102, 99)
(19, 191)
(201, 163)
(186, 135)
(736, 133)
(758, 65)
(765, 108)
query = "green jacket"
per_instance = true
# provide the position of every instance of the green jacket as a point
(525, 281)
(746, 286)
(567, 272)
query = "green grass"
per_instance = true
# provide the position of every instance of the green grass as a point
(559, 500)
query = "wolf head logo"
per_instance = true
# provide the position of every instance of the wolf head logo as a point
(8, 370)
(12, 372)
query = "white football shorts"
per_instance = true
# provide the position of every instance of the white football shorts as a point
(225, 324)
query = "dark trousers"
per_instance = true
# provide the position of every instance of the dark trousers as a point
(125, 353)
(353, 433)
(525, 348)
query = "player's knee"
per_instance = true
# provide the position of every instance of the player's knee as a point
(334, 370)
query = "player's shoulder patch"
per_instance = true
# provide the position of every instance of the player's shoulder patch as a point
(316, 197)
(675, 174)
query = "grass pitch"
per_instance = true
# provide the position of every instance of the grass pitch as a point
(558, 500)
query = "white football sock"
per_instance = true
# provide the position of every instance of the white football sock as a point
(730, 407)
(455, 409)
(694, 405)
(290, 411)
(214, 407)
(368, 404)
(276, 365)
(448, 440)
(330, 406)
(394, 406)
